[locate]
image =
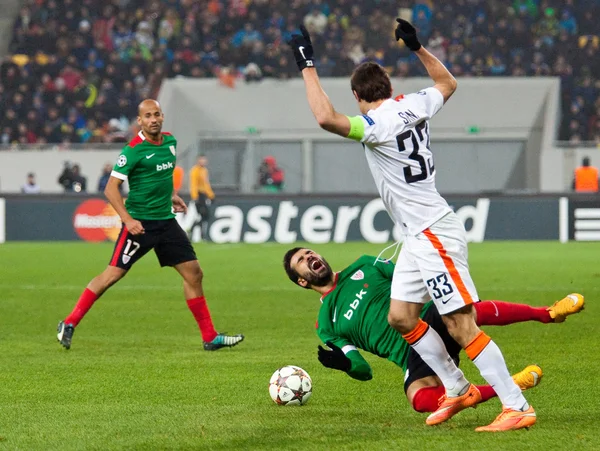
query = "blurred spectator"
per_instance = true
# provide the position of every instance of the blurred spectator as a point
(71, 179)
(30, 186)
(178, 175)
(79, 182)
(103, 180)
(66, 177)
(80, 66)
(315, 21)
(270, 176)
(585, 179)
(252, 73)
(202, 194)
(114, 133)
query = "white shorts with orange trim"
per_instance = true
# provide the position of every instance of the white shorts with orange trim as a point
(433, 265)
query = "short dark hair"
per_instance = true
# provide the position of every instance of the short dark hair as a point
(586, 161)
(287, 265)
(371, 82)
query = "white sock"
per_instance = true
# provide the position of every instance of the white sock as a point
(492, 367)
(433, 352)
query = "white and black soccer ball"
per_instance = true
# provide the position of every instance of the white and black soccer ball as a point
(290, 386)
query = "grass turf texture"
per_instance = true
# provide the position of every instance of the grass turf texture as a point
(137, 378)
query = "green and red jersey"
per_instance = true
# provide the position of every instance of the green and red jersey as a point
(148, 167)
(354, 314)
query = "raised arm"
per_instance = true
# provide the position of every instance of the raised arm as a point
(443, 79)
(321, 106)
(319, 103)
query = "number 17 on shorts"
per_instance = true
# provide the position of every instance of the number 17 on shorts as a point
(128, 249)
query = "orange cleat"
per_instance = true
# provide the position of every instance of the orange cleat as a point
(510, 420)
(571, 304)
(451, 406)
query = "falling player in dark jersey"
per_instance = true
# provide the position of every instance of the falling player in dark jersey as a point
(147, 163)
(354, 315)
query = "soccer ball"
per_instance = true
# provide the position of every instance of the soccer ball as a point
(290, 386)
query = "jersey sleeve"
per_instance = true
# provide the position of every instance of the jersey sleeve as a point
(429, 101)
(125, 163)
(365, 129)
(359, 367)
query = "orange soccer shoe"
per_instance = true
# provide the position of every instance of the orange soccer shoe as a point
(571, 304)
(510, 420)
(451, 406)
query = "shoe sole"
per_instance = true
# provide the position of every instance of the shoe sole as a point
(217, 347)
(512, 428)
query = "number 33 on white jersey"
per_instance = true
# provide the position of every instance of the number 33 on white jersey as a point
(397, 146)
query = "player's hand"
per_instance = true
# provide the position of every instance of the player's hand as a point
(334, 357)
(408, 34)
(179, 205)
(303, 50)
(134, 227)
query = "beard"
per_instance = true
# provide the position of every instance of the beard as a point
(153, 131)
(320, 280)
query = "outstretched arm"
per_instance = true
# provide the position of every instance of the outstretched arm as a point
(346, 359)
(443, 79)
(321, 106)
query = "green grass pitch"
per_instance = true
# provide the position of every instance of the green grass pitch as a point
(137, 378)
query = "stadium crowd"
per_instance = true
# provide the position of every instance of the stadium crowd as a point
(78, 68)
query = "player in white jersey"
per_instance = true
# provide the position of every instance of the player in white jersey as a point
(433, 260)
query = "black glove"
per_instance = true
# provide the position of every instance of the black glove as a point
(408, 34)
(303, 50)
(335, 358)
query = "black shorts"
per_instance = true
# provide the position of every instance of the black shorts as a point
(170, 243)
(416, 368)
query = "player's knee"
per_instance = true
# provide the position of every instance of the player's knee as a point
(461, 325)
(402, 323)
(196, 277)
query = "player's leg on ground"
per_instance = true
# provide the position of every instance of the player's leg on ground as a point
(426, 394)
(404, 317)
(424, 388)
(194, 294)
(97, 286)
(409, 284)
(488, 358)
(500, 313)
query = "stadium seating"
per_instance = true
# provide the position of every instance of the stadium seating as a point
(77, 68)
